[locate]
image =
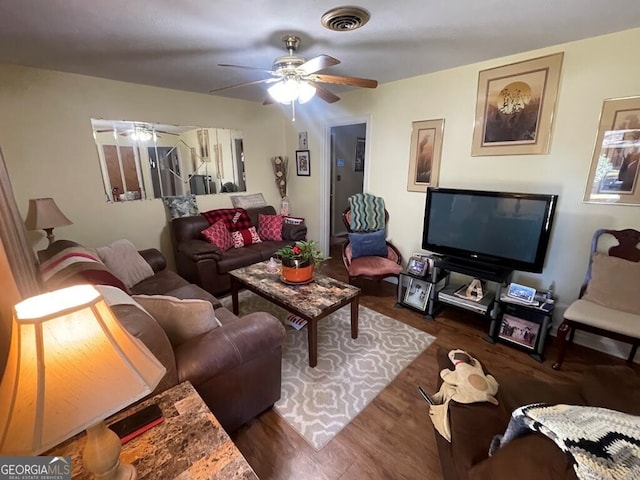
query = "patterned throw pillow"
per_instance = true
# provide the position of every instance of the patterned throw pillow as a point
(248, 236)
(77, 265)
(270, 227)
(234, 218)
(218, 235)
(181, 206)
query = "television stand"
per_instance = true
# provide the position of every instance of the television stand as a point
(453, 294)
(476, 270)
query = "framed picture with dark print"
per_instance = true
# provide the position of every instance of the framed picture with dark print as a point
(613, 175)
(303, 163)
(203, 142)
(519, 331)
(424, 157)
(358, 159)
(417, 294)
(515, 105)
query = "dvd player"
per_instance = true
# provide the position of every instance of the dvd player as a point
(469, 305)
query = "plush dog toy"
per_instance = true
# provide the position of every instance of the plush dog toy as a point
(467, 383)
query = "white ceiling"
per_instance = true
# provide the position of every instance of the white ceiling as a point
(178, 43)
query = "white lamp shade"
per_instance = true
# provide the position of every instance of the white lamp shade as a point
(290, 90)
(71, 364)
(44, 213)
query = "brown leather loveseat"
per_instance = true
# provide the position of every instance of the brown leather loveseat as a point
(533, 456)
(236, 367)
(206, 265)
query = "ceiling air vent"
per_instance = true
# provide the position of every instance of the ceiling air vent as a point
(341, 19)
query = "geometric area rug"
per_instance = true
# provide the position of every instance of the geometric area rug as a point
(319, 402)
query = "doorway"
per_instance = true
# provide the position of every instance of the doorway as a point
(347, 160)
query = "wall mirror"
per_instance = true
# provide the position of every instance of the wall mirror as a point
(142, 160)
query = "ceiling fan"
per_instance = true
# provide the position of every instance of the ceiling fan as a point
(295, 78)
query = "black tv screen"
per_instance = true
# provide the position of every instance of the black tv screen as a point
(500, 229)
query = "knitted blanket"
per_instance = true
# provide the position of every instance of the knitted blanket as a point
(367, 212)
(602, 443)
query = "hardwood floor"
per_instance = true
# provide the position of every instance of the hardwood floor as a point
(393, 438)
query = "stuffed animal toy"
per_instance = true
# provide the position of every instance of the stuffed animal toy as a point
(466, 383)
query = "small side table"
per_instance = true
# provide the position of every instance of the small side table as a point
(189, 444)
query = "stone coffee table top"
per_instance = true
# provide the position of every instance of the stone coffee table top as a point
(190, 444)
(311, 299)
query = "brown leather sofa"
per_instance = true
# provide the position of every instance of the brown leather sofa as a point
(533, 456)
(236, 368)
(206, 265)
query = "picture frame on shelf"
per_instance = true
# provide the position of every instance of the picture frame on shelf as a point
(419, 266)
(514, 107)
(519, 331)
(303, 163)
(417, 294)
(425, 154)
(358, 159)
(613, 173)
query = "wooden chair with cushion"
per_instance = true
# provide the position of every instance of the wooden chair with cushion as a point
(381, 259)
(609, 301)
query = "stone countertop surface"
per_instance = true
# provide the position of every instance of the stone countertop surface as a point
(312, 299)
(189, 444)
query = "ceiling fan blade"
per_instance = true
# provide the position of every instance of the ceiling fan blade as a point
(324, 94)
(264, 80)
(245, 67)
(318, 63)
(340, 80)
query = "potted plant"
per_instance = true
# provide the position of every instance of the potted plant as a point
(299, 260)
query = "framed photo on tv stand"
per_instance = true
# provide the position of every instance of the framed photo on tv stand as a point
(419, 266)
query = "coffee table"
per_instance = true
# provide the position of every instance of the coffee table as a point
(312, 301)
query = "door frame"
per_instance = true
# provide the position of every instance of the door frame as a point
(325, 174)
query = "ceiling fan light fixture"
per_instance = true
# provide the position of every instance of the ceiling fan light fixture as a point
(290, 90)
(306, 92)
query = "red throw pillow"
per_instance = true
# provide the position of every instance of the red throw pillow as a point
(234, 218)
(248, 236)
(270, 227)
(218, 235)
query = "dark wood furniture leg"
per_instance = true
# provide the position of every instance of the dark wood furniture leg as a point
(562, 338)
(235, 287)
(312, 340)
(354, 316)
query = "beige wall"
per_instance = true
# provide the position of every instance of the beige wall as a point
(46, 137)
(45, 133)
(593, 70)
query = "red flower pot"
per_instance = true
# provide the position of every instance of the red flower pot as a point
(297, 271)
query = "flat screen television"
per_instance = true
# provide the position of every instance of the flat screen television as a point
(496, 230)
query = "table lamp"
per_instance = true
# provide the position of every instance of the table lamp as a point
(71, 364)
(45, 215)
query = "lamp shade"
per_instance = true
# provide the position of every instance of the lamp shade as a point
(290, 90)
(44, 213)
(71, 364)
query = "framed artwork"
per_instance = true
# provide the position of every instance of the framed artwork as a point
(358, 159)
(515, 106)
(613, 175)
(419, 266)
(303, 163)
(203, 142)
(519, 331)
(417, 294)
(425, 153)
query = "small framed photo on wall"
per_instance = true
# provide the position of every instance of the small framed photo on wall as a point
(303, 163)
